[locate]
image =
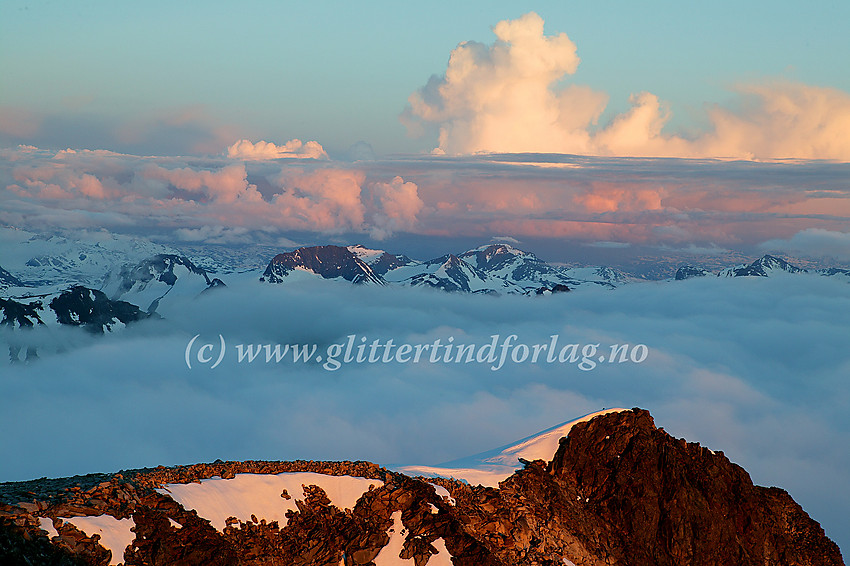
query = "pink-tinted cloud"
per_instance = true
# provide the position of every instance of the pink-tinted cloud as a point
(394, 206)
(321, 200)
(676, 202)
(506, 98)
(226, 185)
(263, 150)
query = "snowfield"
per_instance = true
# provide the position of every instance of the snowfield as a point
(217, 499)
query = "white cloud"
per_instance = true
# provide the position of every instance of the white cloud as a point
(245, 150)
(396, 205)
(506, 98)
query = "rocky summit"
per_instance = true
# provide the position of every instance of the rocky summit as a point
(617, 491)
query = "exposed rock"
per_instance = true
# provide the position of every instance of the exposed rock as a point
(689, 272)
(92, 310)
(618, 491)
(330, 262)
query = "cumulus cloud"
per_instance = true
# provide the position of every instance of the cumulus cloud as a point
(498, 98)
(755, 368)
(395, 206)
(226, 185)
(324, 199)
(506, 98)
(263, 150)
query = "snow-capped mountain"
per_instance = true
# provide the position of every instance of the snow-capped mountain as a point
(765, 266)
(832, 271)
(76, 306)
(8, 280)
(380, 261)
(79, 306)
(54, 261)
(522, 268)
(600, 275)
(328, 262)
(450, 273)
(162, 277)
(493, 269)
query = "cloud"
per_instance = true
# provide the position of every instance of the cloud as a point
(323, 199)
(262, 150)
(813, 242)
(659, 202)
(195, 198)
(188, 130)
(507, 97)
(395, 204)
(507, 239)
(498, 98)
(226, 185)
(755, 368)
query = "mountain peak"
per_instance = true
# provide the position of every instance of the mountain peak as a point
(765, 266)
(329, 262)
(615, 490)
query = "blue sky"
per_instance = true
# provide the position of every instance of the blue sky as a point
(342, 72)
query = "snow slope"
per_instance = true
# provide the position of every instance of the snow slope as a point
(493, 466)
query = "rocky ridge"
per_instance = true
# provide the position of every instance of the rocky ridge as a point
(618, 490)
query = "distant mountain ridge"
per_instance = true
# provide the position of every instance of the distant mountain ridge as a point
(157, 277)
(148, 282)
(765, 266)
(489, 269)
(328, 262)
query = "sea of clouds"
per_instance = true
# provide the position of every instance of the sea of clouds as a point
(754, 367)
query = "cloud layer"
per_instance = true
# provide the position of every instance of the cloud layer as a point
(754, 367)
(659, 202)
(507, 98)
(89, 188)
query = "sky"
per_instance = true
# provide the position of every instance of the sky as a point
(163, 77)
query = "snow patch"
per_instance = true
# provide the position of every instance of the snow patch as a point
(115, 534)
(444, 493)
(217, 499)
(442, 558)
(389, 555)
(46, 524)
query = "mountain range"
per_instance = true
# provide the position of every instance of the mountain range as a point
(119, 280)
(609, 488)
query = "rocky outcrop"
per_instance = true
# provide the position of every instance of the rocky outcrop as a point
(92, 310)
(618, 491)
(689, 272)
